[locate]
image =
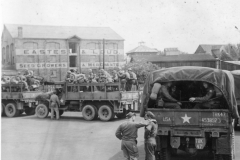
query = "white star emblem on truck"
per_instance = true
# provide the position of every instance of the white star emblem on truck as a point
(186, 119)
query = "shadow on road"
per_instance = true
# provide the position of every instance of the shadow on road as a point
(180, 156)
(69, 118)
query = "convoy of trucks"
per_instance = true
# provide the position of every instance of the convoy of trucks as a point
(103, 100)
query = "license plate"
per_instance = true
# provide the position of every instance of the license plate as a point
(200, 143)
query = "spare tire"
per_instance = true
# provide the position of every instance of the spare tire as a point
(42, 111)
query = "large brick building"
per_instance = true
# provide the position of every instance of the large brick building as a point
(52, 50)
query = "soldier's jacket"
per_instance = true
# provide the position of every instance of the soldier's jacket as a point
(164, 94)
(212, 92)
(151, 131)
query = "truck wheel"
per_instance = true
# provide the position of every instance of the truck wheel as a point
(3, 110)
(217, 157)
(105, 113)
(165, 154)
(89, 112)
(42, 111)
(11, 110)
(231, 156)
(30, 111)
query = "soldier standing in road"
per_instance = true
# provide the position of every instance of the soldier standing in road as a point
(54, 104)
(150, 136)
(127, 132)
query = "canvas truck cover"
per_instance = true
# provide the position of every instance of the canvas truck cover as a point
(222, 79)
(236, 75)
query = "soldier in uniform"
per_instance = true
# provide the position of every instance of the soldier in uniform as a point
(169, 101)
(127, 132)
(150, 136)
(54, 104)
(212, 92)
(132, 80)
(122, 78)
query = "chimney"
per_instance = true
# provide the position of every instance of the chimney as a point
(20, 34)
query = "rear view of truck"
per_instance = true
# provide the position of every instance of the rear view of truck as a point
(210, 130)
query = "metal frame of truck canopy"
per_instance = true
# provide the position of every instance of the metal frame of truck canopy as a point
(220, 78)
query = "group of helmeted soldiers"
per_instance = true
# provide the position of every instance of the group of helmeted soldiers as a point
(27, 80)
(127, 78)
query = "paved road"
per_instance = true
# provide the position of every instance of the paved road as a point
(71, 138)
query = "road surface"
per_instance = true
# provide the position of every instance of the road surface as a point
(70, 138)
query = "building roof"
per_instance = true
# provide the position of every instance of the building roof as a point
(170, 49)
(63, 32)
(208, 47)
(174, 58)
(234, 62)
(143, 49)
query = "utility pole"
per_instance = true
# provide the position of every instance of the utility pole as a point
(103, 53)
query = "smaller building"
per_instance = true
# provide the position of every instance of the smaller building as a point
(181, 60)
(142, 50)
(208, 49)
(171, 51)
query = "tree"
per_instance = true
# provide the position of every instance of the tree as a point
(142, 68)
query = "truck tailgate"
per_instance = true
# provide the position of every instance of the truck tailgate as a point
(191, 118)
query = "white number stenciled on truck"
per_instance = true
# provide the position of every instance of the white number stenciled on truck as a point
(211, 120)
(219, 114)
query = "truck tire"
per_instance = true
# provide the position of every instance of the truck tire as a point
(42, 111)
(3, 110)
(30, 111)
(11, 110)
(165, 154)
(89, 112)
(105, 113)
(231, 156)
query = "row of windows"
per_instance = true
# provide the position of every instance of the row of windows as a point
(72, 45)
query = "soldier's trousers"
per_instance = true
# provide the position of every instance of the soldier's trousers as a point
(130, 150)
(149, 151)
(54, 107)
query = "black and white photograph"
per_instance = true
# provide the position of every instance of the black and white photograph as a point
(120, 79)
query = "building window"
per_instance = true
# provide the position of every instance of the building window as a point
(91, 45)
(53, 45)
(72, 61)
(73, 47)
(7, 54)
(30, 45)
(112, 46)
(3, 55)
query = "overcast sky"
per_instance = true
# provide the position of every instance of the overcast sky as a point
(159, 23)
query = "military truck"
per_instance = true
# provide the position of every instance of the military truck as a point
(15, 100)
(188, 129)
(103, 100)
